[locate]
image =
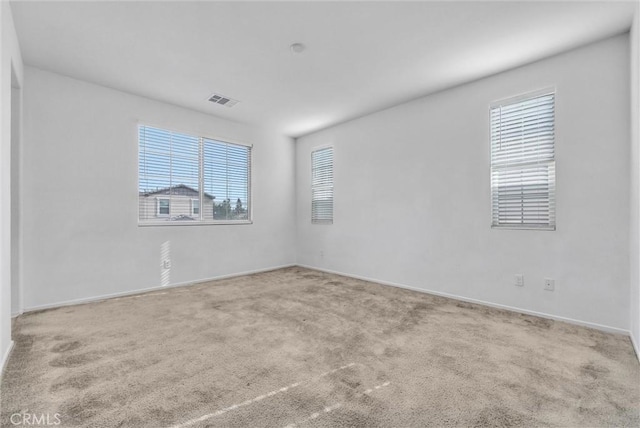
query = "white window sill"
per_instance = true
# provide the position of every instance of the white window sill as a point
(514, 227)
(192, 223)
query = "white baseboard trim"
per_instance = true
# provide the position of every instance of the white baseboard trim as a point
(147, 290)
(601, 327)
(5, 358)
(635, 346)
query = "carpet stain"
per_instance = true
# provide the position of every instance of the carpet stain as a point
(543, 323)
(609, 346)
(498, 416)
(24, 341)
(74, 360)
(78, 412)
(66, 346)
(465, 305)
(593, 371)
(354, 418)
(390, 352)
(78, 382)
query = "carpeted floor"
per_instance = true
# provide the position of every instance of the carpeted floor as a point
(296, 347)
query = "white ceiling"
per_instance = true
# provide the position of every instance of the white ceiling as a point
(361, 56)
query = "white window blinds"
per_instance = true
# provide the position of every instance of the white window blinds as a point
(186, 179)
(322, 185)
(227, 170)
(523, 162)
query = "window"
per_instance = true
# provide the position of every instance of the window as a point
(523, 162)
(163, 207)
(322, 185)
(184, 179)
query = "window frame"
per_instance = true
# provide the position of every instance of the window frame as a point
(552, 193)
(200, 221)
(158, 213)
(193, 207)
(333, 151)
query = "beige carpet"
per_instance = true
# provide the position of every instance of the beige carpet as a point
(296, 347)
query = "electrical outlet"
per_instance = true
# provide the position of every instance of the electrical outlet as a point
(520, 280)
(166, 264)
(549, 284)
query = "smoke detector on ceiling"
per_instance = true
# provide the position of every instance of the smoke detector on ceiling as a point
(222, 100)
(297, 48)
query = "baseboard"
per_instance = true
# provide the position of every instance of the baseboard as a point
(635, 346)
(149, 289)
(5, 358)
(601, 327)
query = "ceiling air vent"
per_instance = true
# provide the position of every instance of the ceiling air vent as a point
(222, 100)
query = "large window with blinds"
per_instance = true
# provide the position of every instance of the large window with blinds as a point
(523, 178)
(322, 185)
(186, 179)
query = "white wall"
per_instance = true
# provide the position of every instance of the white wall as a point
(412, 194)
(16, 132)
(10, 59)
(80, 199)
(635, 182)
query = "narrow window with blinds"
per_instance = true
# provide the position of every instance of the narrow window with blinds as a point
(184, 179)
(523, 162)
(322, 185)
